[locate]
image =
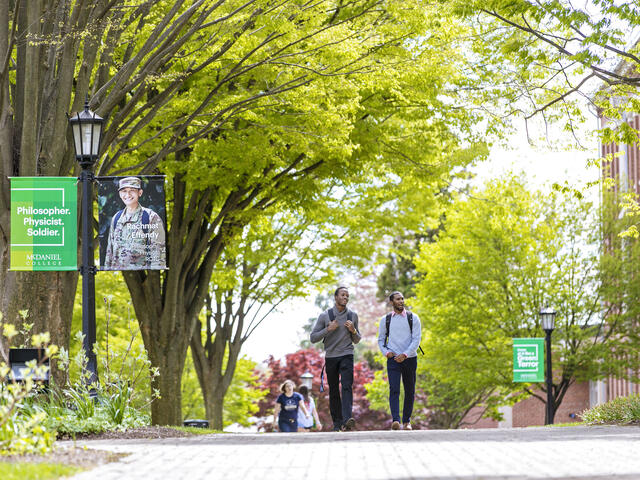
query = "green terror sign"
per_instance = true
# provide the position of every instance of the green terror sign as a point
(528, 360)
(44, 223)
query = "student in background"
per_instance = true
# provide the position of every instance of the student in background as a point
(285, 414)
(305, 424)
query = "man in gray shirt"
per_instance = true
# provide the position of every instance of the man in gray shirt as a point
(338, 329)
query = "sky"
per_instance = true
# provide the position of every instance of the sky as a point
(281, 333)
(542, 166)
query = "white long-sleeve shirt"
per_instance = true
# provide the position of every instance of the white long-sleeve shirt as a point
(401, 338)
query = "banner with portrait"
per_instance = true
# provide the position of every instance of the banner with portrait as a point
(132, 223)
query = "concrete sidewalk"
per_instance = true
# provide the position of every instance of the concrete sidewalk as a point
(531, 453)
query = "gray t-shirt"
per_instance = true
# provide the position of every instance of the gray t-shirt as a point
(340, 341)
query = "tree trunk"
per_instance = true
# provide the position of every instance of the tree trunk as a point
(221, 343)
(48, 297)
(166, 324)
(214, 406)
(214, 383)
(167, 410)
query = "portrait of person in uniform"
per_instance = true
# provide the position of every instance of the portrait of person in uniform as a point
(136, 239)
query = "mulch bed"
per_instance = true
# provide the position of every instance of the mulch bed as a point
(134, 433)
(88, 458)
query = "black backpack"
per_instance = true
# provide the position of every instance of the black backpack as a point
(145, 221)
(388, 323)
(332, 317)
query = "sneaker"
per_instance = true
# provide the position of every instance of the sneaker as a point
(350, 424)
(407, 426)
(395, 426)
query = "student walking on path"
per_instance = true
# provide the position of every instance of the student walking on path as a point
(338, 329)
(399, 338)
(285, 413)
(305, 424)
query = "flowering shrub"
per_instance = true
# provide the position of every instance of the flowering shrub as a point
(112, 404)
(619, 411)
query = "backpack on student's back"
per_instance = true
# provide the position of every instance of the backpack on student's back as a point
(332, 317)
(145, 221)
(388, 324)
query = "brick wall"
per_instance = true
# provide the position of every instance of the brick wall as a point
(531, 411)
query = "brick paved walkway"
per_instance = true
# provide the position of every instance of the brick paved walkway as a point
(532, 453)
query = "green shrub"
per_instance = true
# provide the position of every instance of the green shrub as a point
(23, 430)
(115, 403)
(118, 402)
(83, 408)
(619, 411)
(30, 419)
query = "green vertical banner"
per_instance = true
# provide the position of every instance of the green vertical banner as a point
(528, 360)
(44, 223)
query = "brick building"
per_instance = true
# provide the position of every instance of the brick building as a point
(625, 168)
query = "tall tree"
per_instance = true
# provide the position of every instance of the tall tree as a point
(299, 92)
(133, 58)
(337, 125)
(503, 255)
(546, 54)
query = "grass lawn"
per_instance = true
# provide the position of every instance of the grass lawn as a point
(35, 471)
(197, 430)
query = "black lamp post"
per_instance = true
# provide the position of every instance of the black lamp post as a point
(548, 318)
(87, 134)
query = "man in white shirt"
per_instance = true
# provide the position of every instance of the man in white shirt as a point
(399, 338)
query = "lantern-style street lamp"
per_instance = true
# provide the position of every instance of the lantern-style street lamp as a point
(306, 379)
(86, 127)
(548, 320)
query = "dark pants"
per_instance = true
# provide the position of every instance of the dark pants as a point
(288, 425)
(340, 372)
(407, 372)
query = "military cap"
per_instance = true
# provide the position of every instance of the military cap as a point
(129, 182)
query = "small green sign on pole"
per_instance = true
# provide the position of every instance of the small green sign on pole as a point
(44, 223)
(528, 360)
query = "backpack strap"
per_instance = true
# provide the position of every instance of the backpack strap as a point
(145, 219)
(410, 320)
(116, 217)
(388, 323)
(145, 227)
(332, 316)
